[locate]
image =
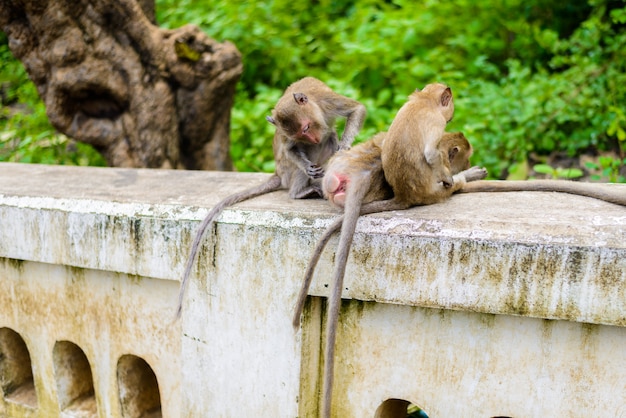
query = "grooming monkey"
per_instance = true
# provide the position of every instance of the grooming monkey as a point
(416, 186)
(414, 165)
(304, 140)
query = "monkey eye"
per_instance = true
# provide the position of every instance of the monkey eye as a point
(306, 128)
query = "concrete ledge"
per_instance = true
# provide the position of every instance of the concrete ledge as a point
(452, 304)
(547, 255)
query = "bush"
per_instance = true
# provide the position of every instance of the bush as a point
(529, 77)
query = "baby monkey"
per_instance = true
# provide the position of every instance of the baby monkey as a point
(304, 140)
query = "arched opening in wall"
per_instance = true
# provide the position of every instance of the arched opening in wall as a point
(399, 408)
(16, 371)
(139, 389)
(74, 381)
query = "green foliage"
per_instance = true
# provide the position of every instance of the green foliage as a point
(528, 75)
(536, 76)
(609, 168)
(558, 172)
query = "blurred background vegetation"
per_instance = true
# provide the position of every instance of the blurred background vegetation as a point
(537, 83)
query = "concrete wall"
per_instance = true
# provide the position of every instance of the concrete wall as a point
(486, 305)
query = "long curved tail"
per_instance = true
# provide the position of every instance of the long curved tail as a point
(372, 207)
(607, 192)
(352, 211)
(308, 275)
(272, 184)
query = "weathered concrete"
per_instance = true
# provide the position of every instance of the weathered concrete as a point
(489, 304)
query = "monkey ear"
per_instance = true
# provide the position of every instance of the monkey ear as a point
(452, 152)
(270, 120)
(301, 98)
(446, 96)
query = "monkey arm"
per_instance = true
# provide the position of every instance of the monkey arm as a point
(355, 113)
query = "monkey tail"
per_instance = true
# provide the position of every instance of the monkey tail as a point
(272, 184)
(352, 211)
(383, 206)
(372, 207)
(601, 191)
(308, 275)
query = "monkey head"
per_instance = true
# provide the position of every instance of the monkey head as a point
(299, 118)
(442, 94)
(459, 151)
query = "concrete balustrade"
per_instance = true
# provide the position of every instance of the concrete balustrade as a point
(502, 304)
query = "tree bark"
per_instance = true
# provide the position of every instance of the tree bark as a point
(141, 95)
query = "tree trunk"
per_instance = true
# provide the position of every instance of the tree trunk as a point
(141, 95)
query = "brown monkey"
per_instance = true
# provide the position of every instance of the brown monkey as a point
(352, 178)
(604, 192)
(410, 138)
(415, 166)
(417, 170)
(304, 140)
(459, 151)
(365, 158)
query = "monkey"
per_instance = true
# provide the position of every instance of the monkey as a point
(414, 165)
(459, 151)
(304, 140)
(352, 178)
(364, 157)
(594, 190)
(415, 187)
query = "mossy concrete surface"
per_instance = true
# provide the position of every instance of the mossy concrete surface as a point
(490, 304)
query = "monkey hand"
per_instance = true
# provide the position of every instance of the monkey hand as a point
(315, 171)
(342, 146)
(475, 173)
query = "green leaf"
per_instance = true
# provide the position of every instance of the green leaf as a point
(544, 169)
(519, 171)
(569, 173)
